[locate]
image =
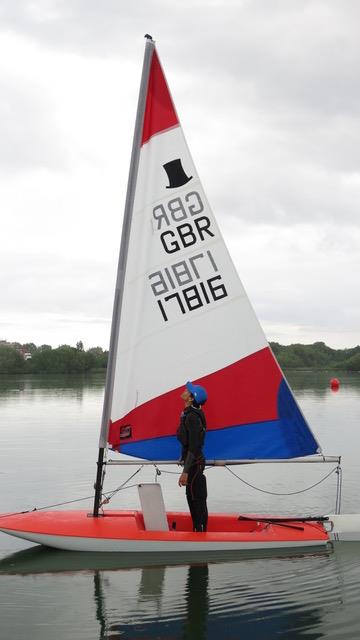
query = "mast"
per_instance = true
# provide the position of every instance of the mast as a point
(130, 195)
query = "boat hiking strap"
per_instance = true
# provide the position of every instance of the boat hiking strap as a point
(279, 522)
(286, 519)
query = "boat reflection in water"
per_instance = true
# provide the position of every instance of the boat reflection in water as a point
(245, 597)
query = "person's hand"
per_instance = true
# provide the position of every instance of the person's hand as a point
(183, 479)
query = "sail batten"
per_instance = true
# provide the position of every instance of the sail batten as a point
(185, 315)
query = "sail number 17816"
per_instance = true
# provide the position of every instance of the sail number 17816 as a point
(182, 286)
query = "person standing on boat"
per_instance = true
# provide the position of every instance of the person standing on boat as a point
(191, 434)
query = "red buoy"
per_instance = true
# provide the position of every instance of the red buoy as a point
(334, 384)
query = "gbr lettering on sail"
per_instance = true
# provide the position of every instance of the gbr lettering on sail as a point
(187, 233)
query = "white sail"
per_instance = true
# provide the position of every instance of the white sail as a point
(185, 315)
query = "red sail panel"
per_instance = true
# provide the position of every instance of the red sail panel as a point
(160, 112)
(242, 393)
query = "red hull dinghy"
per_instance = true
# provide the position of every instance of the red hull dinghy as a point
(124, 531)
(180, 313)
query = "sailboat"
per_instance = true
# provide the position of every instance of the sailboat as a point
(180, 313)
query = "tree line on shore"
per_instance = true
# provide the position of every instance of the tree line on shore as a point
(29, 358)
(316, 356)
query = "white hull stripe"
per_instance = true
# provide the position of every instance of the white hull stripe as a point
(74, 543)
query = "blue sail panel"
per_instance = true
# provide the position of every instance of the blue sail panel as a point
(286, 437)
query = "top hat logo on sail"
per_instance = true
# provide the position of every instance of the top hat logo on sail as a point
(176, 174)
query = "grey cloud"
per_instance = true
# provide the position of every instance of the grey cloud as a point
(55, 284)
(82, 26)
(295, 77)
(268, 94)
(28, 131)
(285, 194)
(271, 39)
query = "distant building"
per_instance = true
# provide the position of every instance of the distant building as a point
(25, 354)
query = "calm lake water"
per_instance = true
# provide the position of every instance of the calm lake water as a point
(49, 433)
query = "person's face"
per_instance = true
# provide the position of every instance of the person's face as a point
(187, 397)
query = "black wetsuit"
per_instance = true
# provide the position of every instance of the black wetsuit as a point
(191, 435)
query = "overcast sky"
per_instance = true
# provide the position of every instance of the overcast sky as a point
(268, 94)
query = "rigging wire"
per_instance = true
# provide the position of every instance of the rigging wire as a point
(112, 493)
(122, 487)
(108, 495)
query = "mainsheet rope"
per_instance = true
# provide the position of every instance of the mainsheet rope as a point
(336, 470)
